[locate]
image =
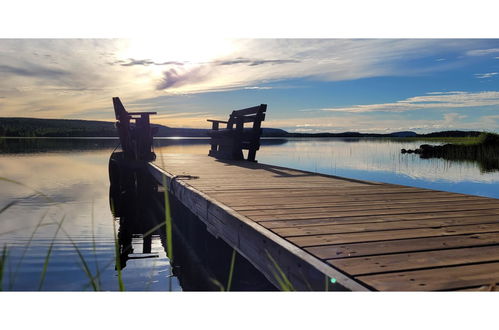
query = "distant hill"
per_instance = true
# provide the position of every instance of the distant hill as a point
(33, 127)
(453, 134)
(354, 134)
(404, 134)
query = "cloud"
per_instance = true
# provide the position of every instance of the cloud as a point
(442, 93)
(249, 62)
(132, 62)
(254, 62)
(432, 100)
(367, 123)
(485, 75)
(480, 52)
(68, 78)
(177, 78)
(451, 119)
(32, 71)
(258, 87)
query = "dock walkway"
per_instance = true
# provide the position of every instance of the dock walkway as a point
(362, 235)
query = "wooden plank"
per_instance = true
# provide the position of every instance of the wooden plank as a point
(403, 245)
(447, 278)
(416, 260)
(306, 241)
(352, 212)
(319, 192)
(303, 208)
(385, 225)
(282, 200)
(490, 287)
(377, 218)
(407, 205)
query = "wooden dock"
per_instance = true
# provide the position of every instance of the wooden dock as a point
(347, 234)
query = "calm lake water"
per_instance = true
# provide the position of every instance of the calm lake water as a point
(67, 179)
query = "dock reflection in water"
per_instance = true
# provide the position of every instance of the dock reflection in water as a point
(199, 261)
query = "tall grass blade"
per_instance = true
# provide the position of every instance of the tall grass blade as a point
(31, 188)
(25, 250)
(9, 205)
(168, 223)
(217, 283)
(84, 264)
(94, 246)
(47, 257)
(231, 270)
(280, 277)
(3, 261)
(92, 279)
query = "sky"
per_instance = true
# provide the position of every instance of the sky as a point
(309, 85)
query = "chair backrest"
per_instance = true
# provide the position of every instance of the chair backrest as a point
(254, 114)
(136, 137)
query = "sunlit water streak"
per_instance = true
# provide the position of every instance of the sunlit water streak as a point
(73, 176)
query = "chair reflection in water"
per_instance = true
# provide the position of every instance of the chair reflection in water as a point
(139, 219)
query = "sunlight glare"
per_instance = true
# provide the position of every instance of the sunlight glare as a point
(189, 51)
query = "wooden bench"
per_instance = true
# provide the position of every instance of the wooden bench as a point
(135, 132)
(229, 142)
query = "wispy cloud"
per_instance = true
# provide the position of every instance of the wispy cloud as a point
(32, 71)
(320, 59)
(253, 62)
(180, 77)
(480, 52)
(258, 87)
(432, 100)
(368, 123)
(145, 62)
(64, 78)
(485, 75)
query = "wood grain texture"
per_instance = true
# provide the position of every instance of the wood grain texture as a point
(369, 235)
(417, 260)
(448, 278)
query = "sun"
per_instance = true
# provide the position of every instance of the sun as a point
(188, 51)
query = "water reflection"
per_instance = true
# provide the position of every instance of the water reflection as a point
(381, 160)
(199, 261)
(72, 175)
(73, 185)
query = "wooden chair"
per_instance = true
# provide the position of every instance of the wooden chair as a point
(135, 132)
(228, 143)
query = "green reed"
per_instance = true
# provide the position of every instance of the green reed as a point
(281, 278)
(47, 257)
(231, 269)
(48, 254)
(3, 262)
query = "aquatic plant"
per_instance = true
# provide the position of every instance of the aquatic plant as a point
(483, 150)
(281, 278)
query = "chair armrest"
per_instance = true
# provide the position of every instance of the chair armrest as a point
(142, 113)
(216, 121)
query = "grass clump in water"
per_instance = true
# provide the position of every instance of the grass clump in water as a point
(484, 150)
